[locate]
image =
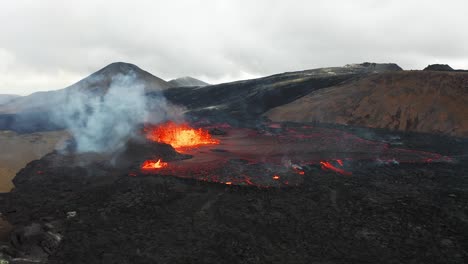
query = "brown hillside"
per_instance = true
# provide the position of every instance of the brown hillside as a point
(434, 102)
(19, 149)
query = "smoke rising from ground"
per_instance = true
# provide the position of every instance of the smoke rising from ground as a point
(104, 122)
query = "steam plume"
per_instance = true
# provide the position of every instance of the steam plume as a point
(103, 122)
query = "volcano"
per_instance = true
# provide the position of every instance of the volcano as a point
(36, 112)
(255, 172)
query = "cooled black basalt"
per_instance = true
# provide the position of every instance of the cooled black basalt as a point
(406, 213)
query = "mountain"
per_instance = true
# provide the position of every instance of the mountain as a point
(438, 67)
(97, 83)
(4, 98)
(421, 101)
(187, 81)
(247, 100)
(366, 94)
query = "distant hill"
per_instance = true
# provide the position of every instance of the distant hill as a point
(187, 82)
(4, 98)
(247, 100)
(366, 94)
(438, 67)
(442, 67)
(97, 83)
(422, 101)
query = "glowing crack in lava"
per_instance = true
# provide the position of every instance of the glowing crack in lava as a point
(326, 165)
(153, 164)
(180, 136)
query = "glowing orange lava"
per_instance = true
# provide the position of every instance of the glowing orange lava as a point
(180, 136)
(152, 164)
(329, 166)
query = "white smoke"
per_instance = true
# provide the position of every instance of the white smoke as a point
(103, 122)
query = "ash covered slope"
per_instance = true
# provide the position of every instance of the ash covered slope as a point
(247, 100)
(187, 81)
(422, 101)
(97, 83)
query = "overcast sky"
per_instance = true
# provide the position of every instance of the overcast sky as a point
(50, 44)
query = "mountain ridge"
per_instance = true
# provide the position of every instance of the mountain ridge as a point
(418, 101)
(187, 81)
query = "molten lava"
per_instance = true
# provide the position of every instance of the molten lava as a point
(327, 165)
(180, 136)
(152, 164)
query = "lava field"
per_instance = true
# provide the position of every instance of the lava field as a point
(274, 193)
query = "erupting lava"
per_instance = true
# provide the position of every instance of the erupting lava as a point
(256, 157)
(180, 136)
(152, 164)
(326, 165)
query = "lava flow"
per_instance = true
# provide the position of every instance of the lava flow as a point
(180, 136)
(153, 164)
(326, 165)
(281, 156)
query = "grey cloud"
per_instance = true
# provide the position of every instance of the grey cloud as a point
(49, 44)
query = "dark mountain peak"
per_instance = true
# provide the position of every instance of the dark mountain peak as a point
(438, 67)
(187, 81)
(97, 84)
(102, 79)
(120, 68)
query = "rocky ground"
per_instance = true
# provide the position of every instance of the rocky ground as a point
(82, 209)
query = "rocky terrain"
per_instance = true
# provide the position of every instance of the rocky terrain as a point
(423, 101)
(79, 208)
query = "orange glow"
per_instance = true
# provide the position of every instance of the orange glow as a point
(301, 173)
(329, 166)
(228, 183)
(276, 177)
(180, 136)
(151, 164)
